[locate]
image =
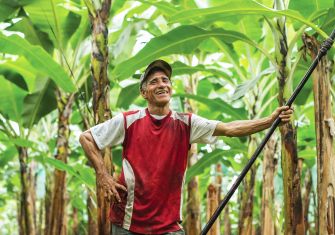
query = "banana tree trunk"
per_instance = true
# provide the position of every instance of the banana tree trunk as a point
(294, 223)
(316, 213)
(99, 61)
(58, 223)
(226, 221)
(40, 218)
(324, 139)
(75, 228)
(91, 210)
(212, 205)
(92, 213)
(47, 200)
(247, 202)
(26, 219)
(218, 184)
(269, 167)
(307, 197)
(193, 219)
(33, 184)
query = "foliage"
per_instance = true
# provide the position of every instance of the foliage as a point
(226, 46)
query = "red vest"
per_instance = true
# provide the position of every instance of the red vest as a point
(153, 171)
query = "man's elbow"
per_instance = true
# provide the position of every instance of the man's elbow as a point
(222, 129)
(84, 137)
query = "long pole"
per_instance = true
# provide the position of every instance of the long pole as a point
(323, 51)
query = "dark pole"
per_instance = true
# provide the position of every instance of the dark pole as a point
(323, 51)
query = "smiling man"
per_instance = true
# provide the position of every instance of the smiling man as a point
(148, 197)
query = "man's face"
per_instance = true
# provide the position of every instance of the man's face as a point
(158, 90)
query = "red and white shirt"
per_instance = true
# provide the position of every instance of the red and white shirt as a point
(153, 167)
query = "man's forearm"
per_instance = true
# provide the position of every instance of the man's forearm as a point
(242, 128)
(92, 152)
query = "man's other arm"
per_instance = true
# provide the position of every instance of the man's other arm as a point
(104, 179)
(248, 127)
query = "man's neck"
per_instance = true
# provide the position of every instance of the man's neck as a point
(159, 110)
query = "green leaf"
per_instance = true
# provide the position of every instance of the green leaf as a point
(179, 68)
(181, 40)
(38, 58)
(207, 160)
(11, 97)
(309, 156)
(40, 103)
(245, 87)
(32, 34)
(297, 77)
(328, 23)
(41, 13)
(234, 143)
(309, 8)
(79, 203)
(58, 164)
(233, 11)
(204, 87)
(217, 105)
(19, 142)
(167, 8)
(87, 174)
(7, 156)
(7, 8)
(128, 95)
(13, 70)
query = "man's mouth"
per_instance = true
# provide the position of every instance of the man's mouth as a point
(161, 92)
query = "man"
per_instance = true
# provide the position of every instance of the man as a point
(148, 197)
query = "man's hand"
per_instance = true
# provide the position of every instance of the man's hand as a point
(109, 185)
(104, 180)
(285, 114)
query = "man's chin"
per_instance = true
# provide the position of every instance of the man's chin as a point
(163, 102)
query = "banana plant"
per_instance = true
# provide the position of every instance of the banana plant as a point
(50, 74)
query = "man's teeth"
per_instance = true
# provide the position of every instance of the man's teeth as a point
(161, 92)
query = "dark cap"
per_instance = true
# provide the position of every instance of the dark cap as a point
(157, 63)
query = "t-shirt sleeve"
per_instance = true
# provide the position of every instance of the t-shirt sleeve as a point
(109, 133)
(202, 130)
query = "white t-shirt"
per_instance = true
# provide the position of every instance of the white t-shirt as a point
(112, 132)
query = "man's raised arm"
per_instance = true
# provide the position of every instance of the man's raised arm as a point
(104, 179)
(248, 127)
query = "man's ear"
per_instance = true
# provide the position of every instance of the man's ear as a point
(143, 93)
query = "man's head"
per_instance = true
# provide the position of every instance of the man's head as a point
(155, 83)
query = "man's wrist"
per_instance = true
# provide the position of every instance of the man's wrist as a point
(101, 169)
(270, 121)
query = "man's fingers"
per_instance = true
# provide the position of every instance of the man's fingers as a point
(288, 111)
(106, 196)
(116, 195)
(282, 108)
(282, 116)
(121, 187)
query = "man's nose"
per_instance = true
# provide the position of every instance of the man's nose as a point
(161, 84)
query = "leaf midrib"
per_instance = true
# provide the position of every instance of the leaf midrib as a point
(198, 166)
(184, 40)
(13, 101)
(261, 10)
(37, 106)
(30, 52)
(19, 68)
(211, 100)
